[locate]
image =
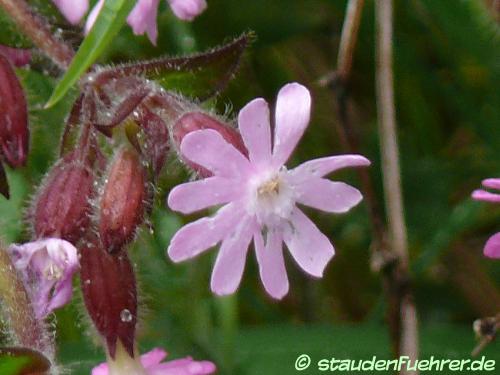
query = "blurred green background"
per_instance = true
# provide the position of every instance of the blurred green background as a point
(447, 80)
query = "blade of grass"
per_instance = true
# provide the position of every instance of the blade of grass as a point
(108, 23)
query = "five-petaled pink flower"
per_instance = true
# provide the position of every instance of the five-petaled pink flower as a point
(47, 266)
(151, 362)
(492, 247)
(142, 18)
(260, 196)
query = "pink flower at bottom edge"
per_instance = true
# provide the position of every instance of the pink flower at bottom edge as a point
(260, 196)
(47, 266)
(492, 247)
(151, 362)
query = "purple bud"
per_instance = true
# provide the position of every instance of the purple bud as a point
(14, 132)
(121, 208)
(110, 295)
(17, 56)
(156, 142)
(61, 208)
(196, 121)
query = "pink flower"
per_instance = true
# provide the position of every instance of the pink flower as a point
(142, 18)
(260, 196)
(151, 362)
(187, 9)
(492, 247)
(72, 10)
(48, 266)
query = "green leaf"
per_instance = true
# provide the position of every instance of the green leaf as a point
(22, 361)
(199, 75)
(108, 23)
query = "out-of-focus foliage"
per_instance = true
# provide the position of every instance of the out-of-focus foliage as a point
(447, 75)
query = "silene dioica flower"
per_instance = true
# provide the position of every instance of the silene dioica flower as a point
(151, 364)
(492, 247)
(142, 19)
(260, 196)
(47, 266)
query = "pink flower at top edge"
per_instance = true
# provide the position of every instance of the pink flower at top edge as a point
(47, 266)
(143, 16)
(492, 247)
(72, 10)
(260, 196)
(151, 362)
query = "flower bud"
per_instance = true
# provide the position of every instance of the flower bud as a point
(62, 207)
(4, 184)
(196, 121)
(121, 208)
(156, 142)
(16, 56)
(110, 295)
(14, 132)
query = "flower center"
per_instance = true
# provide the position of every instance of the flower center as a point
(272, 198)
(53, 272)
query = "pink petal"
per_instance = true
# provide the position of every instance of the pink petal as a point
(73, 10)
(483, 195)
(271, 263)
(93, 16)
(202, 234)
(310, 248)
(255, 128)
(153, 357)
(492, 183)
(329, 196)
(102, 369)
(62, 293)
(323, 166)
(492, 247)
(230, 262)
(293, 109)
(143, 19)
(183, 366)
(208, 149)
(198, 195)
(187, 9)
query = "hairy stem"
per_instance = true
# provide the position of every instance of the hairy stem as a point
(392, 175)
(15, 307)
(38, 30)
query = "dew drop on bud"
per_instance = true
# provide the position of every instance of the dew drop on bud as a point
(126, 316)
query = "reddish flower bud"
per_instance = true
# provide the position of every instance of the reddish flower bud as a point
(14, 132)
(110, 295)
(156, 139)
(196, 121)
(16, 56)
(4, 184)
(62, 207)
(121, 208)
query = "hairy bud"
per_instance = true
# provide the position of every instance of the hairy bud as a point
(121, 207)
(14, 132)
(61, 208)
(110, 295)
(156, 139)
(17, 56)
(197, 121)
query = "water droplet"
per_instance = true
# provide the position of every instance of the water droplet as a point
(126, 316)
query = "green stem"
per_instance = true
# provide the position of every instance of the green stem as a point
(37, 29)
